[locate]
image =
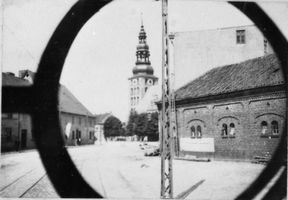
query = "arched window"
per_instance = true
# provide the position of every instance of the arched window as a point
(275, 128)
(232, 129)
(193, 132)
(264, 127)
(224, 130)
(199, 132)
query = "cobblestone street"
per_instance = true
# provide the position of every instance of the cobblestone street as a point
(120, 170)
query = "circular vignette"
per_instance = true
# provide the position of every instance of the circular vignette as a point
(47, 130)
(46, 127)
(279, 158)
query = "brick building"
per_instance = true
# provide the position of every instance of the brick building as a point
(76, 120)
(233, 112)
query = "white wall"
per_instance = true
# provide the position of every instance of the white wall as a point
(199, 51)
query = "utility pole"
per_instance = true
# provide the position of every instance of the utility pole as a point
(166, 135)
(173, 116)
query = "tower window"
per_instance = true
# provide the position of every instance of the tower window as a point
(240, 36)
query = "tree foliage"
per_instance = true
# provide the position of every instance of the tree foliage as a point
(144, 124)
(113, 127)
(131, 126)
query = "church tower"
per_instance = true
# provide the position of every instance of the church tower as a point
(143, 77)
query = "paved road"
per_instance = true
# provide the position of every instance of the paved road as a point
(120, 170)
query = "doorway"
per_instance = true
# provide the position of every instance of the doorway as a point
(23, 138)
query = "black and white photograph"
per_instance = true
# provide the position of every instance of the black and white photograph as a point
(144, 99)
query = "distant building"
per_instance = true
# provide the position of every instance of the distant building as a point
(143, 77)
(99, 127)
(76, 121)
(236, 111)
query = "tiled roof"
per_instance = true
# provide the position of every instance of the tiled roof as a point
(9, 79)
(68, 102)
(254, 73)
(101, 118)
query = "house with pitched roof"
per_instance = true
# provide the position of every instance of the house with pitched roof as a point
(76, 120)
(99, 126)
(236, 111)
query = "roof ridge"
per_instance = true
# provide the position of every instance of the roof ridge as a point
(251, 73)
(63, 90)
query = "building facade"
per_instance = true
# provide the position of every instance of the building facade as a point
(99, 127)
(16, 130)
(77, 122)
(198, 51)
(233, 112)
(143, 77)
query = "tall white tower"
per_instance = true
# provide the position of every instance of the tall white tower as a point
(143, 77)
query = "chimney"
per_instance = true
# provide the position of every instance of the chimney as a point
(27, 75)
(22, 73)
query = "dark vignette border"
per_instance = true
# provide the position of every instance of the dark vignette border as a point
(279, 159)
(41, 101)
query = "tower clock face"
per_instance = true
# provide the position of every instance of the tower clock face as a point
(150, 81)
(134, 82)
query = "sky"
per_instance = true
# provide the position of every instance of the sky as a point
(102, 56)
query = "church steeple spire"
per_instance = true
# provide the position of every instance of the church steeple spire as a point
(142, 53)
(143, 77)
(141, 19)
